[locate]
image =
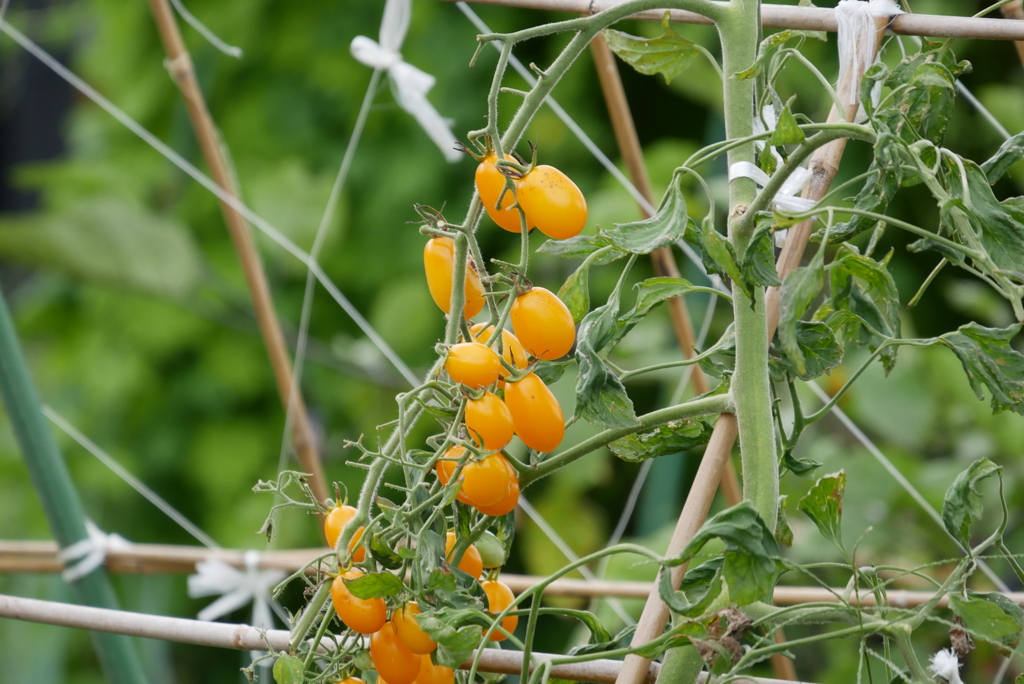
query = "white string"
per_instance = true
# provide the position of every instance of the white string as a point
(201, 178)
(982, 109)
(91, 552)
(567, 551)
(133, 482)
(205, 32)
(705, 328)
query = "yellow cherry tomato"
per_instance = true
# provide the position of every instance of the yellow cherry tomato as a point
(489, 421)
(394, 662)
(409, 631)
(543, 324)
(439, 264)
(511, 350)
(553, 202)
(473, 364)
(434, 674)
(445, 468)
(535, 413)
(365, 616)
(471, 563)
(490, 184)
(508, 502)
(335, 522)
(487, 481)
(499, 597)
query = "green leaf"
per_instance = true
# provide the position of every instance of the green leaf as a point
(672, 438)
(992, 617)
(1008, 154)
(865, 289)
(700, 587)
(758, 266)
(110, 241)
(819, 348)
(783, 532)
(601, 399)
(926, 103)
(650, 293)
(669, 54)
(721, 251)
(787, 131)
(824, 505)
(991, 363)
(964, 503)
(878, 190)
(551, 371)
(600, 646)
(661, 230)
(799, 289)
(431, 552)
(575, 292)
(455, 644)
(751, 561)
(580, 247)
(375, 585)
(288, 669)
(799, 466)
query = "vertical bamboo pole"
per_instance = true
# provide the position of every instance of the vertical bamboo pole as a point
(663, 260)
(58, 495)
(180, 65)
(1015, 10)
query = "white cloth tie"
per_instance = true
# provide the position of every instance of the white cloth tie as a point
(786, 198)
(411, 85)
(857, 44)
(90, 553)
(946, 665)
(236, 588)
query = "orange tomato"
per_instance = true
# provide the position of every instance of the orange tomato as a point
(439, 264)
(535, 413)
(365, 616)
(507, 503)
(333, 525)
(489, 421)
(409, 631)
(487, 481)
(446, 468)
(499, 597)
(511, 350)
(543, 324)
(473, 364)
(553, 202)
(350, 680)
(490, 184)
(434, 674)
(471, 563)
(394, 662)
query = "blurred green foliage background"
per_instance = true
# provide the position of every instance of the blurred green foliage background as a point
(131, 305)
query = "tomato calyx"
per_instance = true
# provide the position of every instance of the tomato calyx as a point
(518, 171)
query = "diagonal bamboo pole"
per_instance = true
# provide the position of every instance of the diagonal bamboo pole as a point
(1015, 10)
(824, 163)
(179, 64)
(58, 495)
(663, 260)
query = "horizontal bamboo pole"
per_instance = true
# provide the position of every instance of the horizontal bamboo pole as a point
(41, 556)
(803, 18)
(246, 638)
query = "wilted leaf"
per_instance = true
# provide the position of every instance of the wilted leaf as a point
(594, 646)
(991, 363)
(669, 54)
(799, 466)
(700, 587)
(671, 438)
(758, 266)
(109, 241)
(963, 504)
(990, 616)
(783, 532)
(575, 292)
(1008, 154)
(651, 293)
(375, 585)
(819, 348)
(288, 669)
(552, 371)
(721, 251)
(864, 288)
(580, 247)
(927, 102)
(664, 228)
(600, 397)
(799, 289)
(824, 505)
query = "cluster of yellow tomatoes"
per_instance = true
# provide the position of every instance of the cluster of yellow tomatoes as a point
(399, 647)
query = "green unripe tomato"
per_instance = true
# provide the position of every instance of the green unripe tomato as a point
(492, 553)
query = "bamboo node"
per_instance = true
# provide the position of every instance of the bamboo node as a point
(180, 67)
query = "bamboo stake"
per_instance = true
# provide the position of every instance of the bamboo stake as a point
(663, 260)
(1015, 10)
(825, 164)
(777, 16)
(179, 63)
(246, 638)
(57, 493)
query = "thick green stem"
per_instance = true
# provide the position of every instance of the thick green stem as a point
(57, 492)
(308, 616)
(720, 403)
(739, 30)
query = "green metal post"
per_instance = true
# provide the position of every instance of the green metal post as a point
(60, 500)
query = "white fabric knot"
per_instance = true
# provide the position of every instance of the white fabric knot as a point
(411, 85)
(786, 198)
(858, 44)
(945, 665)
(236, 588)
(90, 552)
